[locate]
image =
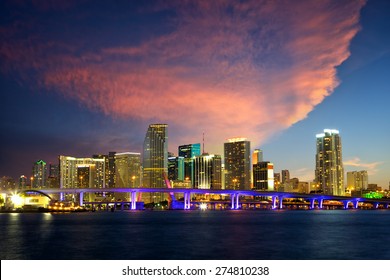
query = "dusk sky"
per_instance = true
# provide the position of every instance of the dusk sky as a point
(85, 77)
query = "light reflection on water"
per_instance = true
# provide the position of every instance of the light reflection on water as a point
(318, 234)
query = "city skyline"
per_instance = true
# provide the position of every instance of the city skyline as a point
(68, 75)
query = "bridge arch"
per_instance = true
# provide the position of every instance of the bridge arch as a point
(36, 191)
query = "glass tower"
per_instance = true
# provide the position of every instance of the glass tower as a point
(155, 156)
(329, 173)
(237, 164)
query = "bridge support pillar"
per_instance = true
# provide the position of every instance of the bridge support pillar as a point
(386, 206)
(376, 205)
(346, 204)
(320, 202)
(81, 198)
(274, 202)
(122, 206)
(312, 203)
(237, 201)
(280, 202)
(187, 201)
(133, 201)
(356, 204)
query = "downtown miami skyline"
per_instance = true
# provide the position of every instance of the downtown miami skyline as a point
(87, 77)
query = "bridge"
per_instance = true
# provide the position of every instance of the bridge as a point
(276, 197)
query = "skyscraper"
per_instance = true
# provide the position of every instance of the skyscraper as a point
(357, 181)
(176, 168)
(155, 156)
(237, 164)
(128, 170)
(257, 156)
(263, 176)
(207, 172)
(329, 173)
(81, 172)
(39, 174)
(189, 152)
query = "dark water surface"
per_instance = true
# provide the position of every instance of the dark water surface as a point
(321, 234)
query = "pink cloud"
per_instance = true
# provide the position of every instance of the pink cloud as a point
(228, 68)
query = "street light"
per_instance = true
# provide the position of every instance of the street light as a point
(133, 180)
(31, 181)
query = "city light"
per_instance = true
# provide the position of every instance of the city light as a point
(203, 206)
(17, 200)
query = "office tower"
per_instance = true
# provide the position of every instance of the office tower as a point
(277, 181)
(155, 156)
(189, 152)
(357, 181)
(109, 167)
(22, 182)
(54, 170)
(263, 176)
(128, 170)
(285, 176)
(111, 170)
(176, 168)
(81, 172)
(207, 172)
(39, 174)
(257, 156)
(329, 173)
(237, 164)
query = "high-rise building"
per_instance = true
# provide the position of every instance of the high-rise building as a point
(263, 176)
(39, 174)
(257, 156)
(357, 181)
(81, 172)
(237, 164)
(111, 170)
(189, 152)
(329, 173)
(128, 170)
(22, 182)
(155, 156)
(176, 168)
(285, 176)
(207, 172)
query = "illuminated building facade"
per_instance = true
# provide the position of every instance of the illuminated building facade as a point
(22, 182)
(176, 168)
(128, 170)
(207, 172)
(39, 174)
(81, 172)
(237, 164)
(257, 156)
(357, 181)
(329, 173)
(155, 156)
(263, 176)
(189, 152)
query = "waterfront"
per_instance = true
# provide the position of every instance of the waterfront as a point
(281, 234)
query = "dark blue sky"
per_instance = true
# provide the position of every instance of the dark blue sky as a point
(87, 77)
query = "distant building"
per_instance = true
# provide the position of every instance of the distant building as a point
(263, 176)
(176, 168)
(22, 182)
(128, 170)
(7, 183)
(81, 172)
(329, 173)
(285, 176)
(357, 181)
(39, 174)
(237, 164)
(189, 152)
(257, 156)
(207, 172)
(155, 156)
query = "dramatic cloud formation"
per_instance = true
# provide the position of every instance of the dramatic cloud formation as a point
(229, 68)
(371, 167)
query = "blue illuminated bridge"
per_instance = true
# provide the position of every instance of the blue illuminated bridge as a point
(277, 197)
